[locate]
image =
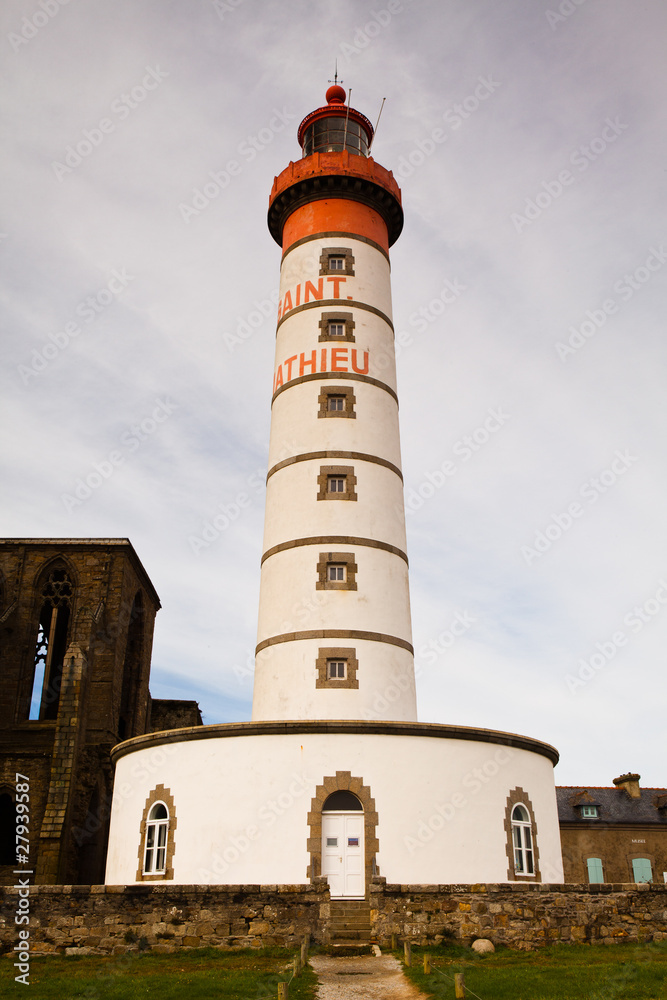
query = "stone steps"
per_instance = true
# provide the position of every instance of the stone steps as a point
(350, 923)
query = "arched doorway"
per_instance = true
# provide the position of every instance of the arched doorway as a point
(343, 849)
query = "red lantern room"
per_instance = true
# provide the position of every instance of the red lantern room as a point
(335, 127)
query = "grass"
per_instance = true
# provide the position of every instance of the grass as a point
(199, 974)
(559, 972)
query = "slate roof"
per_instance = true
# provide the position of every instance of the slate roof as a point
(614, 805)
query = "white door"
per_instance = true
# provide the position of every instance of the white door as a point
(343, 853)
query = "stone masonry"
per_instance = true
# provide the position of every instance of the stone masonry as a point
(109, 920)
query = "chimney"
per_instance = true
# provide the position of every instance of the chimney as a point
(629, 783)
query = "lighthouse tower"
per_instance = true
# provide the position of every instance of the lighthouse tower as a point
(334, 775)
(334, 631)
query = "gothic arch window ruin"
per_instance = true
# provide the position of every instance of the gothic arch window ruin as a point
(56, 592)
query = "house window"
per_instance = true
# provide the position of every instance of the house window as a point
(641, 870)
(336, 326)
(51, 645)
(521, 833)
(156, 844)
(336, 571)
(589, 812)
(522, 841)
(337, 668)
(595, 874)
(337, 260)
(337, 482)
(336, 401)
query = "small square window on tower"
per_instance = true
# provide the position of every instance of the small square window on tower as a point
(337, 260)
(336, 401)
(336, 326)
(337, 668)
(336, 571)
(337, 482)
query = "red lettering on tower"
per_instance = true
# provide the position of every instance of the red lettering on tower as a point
(339, 354)
(307, 364)
(289, 366)
(279, 378)
(360, 371)
(287, 302)
(336, 283)
(314, 293)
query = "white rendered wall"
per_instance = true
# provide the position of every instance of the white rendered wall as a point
(242, 805)
(370, 528)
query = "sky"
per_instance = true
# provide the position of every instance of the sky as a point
(139, 308)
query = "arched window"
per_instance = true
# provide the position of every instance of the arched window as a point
(157, 828)
(156, 837)
(52, 633)
(342, 801)
(522, 841)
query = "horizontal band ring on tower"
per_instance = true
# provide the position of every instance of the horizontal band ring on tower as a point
(335, 304)
(336, 234)
(345, 376)
(324, 186)
(371, 543)
(335, 633)
(355, 456)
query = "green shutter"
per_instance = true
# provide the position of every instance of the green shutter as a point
(595, 870)
(641, 870)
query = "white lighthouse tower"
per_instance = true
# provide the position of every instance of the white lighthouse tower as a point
(334, 775)
(334, 609)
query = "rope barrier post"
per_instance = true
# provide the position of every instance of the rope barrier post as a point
(394, 942)
(407, 953)
(304, 953)
(283, 991)
(427, 965)
(459, 985)
(296, 965)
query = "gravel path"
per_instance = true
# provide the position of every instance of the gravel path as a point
(362, 978)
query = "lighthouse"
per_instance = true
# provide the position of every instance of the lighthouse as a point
(334, 636)
(334, 776)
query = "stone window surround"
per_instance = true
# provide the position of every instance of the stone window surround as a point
(517, 796)
(349, 401)
(343, 471)
(325, 654)
(326, 558)
(343, 781)
(158, 794)
(345, 252)
(336, 317)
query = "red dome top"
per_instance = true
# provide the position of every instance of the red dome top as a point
(335, 95)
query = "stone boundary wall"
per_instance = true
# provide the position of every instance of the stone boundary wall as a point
(522, 916)
(112, 920)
